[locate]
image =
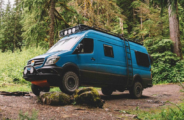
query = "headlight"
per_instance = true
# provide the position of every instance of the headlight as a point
(52, 60)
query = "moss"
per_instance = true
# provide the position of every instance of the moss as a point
(55, 98)
(89, 96)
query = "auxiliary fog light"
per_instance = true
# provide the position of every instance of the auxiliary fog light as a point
(32, 70)
(25, 71)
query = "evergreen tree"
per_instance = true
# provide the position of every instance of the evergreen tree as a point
(10, 35)
(17, 41)
(1, 11)
(45, 10)
(99, 13)
(173, 22)
(6, 36)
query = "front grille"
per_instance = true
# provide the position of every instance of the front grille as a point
(38, 62)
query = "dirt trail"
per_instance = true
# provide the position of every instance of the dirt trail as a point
(154, 97)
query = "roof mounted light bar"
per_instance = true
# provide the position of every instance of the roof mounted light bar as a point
(80, 27)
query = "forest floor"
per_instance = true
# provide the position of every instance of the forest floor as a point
(115, 106)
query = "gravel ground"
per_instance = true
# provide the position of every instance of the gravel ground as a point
(155, 97)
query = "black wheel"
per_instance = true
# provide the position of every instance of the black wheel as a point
(36, 89)
(136, 90)
(107, 90)
(70, 82)
(46, 89)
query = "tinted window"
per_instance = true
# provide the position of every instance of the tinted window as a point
(142, 59)
(108, 51)
(87, 45)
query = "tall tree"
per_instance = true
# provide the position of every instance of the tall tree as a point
(172, 6)
(46, 10)
(17, 41)
(1, 10)
(98, 13)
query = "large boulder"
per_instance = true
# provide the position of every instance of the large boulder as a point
(89, 96)
(54, 98)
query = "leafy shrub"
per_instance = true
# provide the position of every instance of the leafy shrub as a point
(166, 67)
(12, 64)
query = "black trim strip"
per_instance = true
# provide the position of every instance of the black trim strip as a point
(103, 73)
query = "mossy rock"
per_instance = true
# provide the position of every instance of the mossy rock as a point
(89, 96)
(54, 98)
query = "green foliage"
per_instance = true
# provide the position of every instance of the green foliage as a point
(36, 19)
(26, 116)
(12, 64)
(176, 112)
(99, 13)
(181, 23)
(166, 67)
(10, 30)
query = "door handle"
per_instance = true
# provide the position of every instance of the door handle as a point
(93, 59)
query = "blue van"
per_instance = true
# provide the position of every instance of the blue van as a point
(91, 56)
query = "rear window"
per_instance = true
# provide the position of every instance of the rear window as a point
(142, 59)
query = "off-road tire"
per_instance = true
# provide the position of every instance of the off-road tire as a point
(36, 89)
(107, 91)
(136, 90)
(69, 83)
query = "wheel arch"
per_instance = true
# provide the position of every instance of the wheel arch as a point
(137, 78)
(70, 67)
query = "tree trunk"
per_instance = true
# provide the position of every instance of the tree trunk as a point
(85, 12)
(121, 25)
(141, 23)
(133, 14)
(174, 30)
(52, 19)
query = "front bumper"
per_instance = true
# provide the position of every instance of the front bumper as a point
(44, 73)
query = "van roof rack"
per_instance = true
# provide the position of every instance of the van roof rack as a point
(81, 27)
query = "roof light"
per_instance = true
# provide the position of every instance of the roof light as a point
(81, 27)
(65, 33)
(61, 33)
(73, 30)
(69, 31)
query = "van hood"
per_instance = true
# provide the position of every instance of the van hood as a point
(46, 55)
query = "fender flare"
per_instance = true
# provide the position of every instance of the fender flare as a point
(71, 66)
(137, 77)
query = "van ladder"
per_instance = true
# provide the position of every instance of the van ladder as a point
(129, 63)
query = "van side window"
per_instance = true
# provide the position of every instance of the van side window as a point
(87, 45)
(108, 51)
(142, 59)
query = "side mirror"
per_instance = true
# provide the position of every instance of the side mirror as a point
(78, 49)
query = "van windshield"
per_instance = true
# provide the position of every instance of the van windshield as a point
(66, 44)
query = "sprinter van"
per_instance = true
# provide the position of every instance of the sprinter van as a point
(94, 57)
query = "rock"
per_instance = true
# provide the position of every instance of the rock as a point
(28, 97)
(117, 110)
(106, 109)
(54, 98)
(150, 101)
(129, 116)
(89, 96)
